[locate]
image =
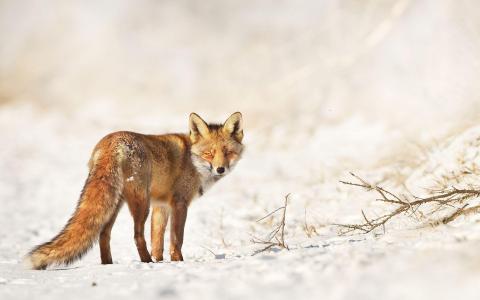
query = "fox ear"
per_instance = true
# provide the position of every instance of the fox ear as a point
(198, 127)
(234, 126)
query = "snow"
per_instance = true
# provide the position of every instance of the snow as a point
(44, 172)
(393, 103)
(455, 163)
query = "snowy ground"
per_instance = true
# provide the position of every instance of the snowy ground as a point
(365, 88)
(44, 169)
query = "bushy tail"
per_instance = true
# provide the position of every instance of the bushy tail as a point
(98, 201)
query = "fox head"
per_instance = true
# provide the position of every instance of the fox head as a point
(216, 148)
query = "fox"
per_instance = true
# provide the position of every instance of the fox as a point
(164, 172)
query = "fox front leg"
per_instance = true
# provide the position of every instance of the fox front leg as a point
(177, 226)
(159, 224)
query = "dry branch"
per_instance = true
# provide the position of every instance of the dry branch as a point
(276, 238)
(451, 197)
(309, 230)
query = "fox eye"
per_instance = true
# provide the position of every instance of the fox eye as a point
(207, 155)
(231, 154)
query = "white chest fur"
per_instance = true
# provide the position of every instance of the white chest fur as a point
(207, 179)
(205, 184)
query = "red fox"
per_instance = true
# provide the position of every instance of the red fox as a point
(166, 171)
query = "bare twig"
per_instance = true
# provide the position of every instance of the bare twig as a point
(271, 213)
(455, 214)
(462, 211)
(209, 250)
(442, 199)
(276, 238)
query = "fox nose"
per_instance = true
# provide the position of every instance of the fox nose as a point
(220, 170)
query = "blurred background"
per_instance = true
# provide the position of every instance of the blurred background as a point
(393, 61)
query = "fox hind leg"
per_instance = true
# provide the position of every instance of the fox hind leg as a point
(105, 254)
(139, 208)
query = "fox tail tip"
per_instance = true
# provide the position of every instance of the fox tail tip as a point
(34, 261)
